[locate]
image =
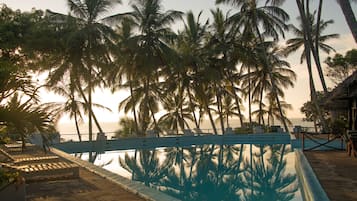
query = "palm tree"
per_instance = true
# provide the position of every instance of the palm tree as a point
(153, 52)
(86, 49)
(255, 23)
(177, 114)
(273, 111)
(349, 16)
(26, 117)
(71, 106)
(295, 44)
(124, 68)
(280, 76)
(189, 46)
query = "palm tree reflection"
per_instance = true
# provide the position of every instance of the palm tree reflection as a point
(216, 172)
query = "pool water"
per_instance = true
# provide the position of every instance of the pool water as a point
(244, 172)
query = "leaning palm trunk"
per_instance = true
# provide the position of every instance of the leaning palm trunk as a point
(77, 127)
(90, 111)
(261, 118)
(278, 102)
(193, 108)
(309, 47)
(308, 34)
(134, 109)
(237, 103)
(219, 107)
(210, 118)
(249, 99)
(349, 16)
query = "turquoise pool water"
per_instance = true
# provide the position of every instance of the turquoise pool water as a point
(245, 172)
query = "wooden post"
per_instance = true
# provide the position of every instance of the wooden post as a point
(303, 141)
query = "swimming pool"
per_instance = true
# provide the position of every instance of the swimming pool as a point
(210, 171)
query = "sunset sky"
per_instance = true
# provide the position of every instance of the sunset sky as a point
(295, 96)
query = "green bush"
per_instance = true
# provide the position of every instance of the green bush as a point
(338, 126)
(7, 177)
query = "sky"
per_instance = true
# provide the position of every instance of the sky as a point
(295, 96)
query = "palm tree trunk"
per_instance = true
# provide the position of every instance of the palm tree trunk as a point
(308, 48)
(278, 102)
(219, 107)
(134, 109)
(77, 127)
(91, 111)
(237, 103)
(249, 100)
(90, 129)
(261, 107)
(192, 108)
(211, 118)
(349, 16)
(306, 25)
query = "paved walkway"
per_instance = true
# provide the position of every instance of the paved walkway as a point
(87, 187)
(337, 173)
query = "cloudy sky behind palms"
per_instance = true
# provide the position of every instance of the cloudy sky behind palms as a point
(295, 96)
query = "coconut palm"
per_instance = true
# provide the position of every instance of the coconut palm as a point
(71, 106)
(86, 48)
(189, 46)
(294, 44)
(256, 23)
(153, 52)
(223, 58)
(349, 16)
(273, 111)
(177, 113)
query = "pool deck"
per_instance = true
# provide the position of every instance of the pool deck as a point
(337, 173)
(89, 186)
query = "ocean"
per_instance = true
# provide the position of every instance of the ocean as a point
(68, 131)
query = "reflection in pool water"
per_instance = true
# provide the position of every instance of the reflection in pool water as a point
(211, 172)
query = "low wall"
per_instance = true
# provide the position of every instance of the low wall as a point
(154, 142)
(309, 184)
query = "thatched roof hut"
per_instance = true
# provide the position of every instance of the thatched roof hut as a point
(342, 100)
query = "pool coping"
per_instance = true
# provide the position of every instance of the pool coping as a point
(134, 187)
(310, 185)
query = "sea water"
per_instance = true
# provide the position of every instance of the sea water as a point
(68, 129)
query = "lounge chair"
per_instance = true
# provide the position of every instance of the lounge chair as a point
(188, 132)
(24, 159)
(45, 171)
(229, 131)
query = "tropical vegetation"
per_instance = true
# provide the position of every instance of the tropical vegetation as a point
(205, 69)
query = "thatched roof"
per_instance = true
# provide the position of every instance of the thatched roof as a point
(339, 96)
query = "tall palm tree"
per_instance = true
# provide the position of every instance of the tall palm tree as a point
(223, 58)
(349, 16)
(189, 46)
(86, 48)
(294, 44)
(153, 51)
(124, 71)
(257, 22)
(71, 106)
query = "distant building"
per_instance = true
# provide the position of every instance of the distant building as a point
(342, 101)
